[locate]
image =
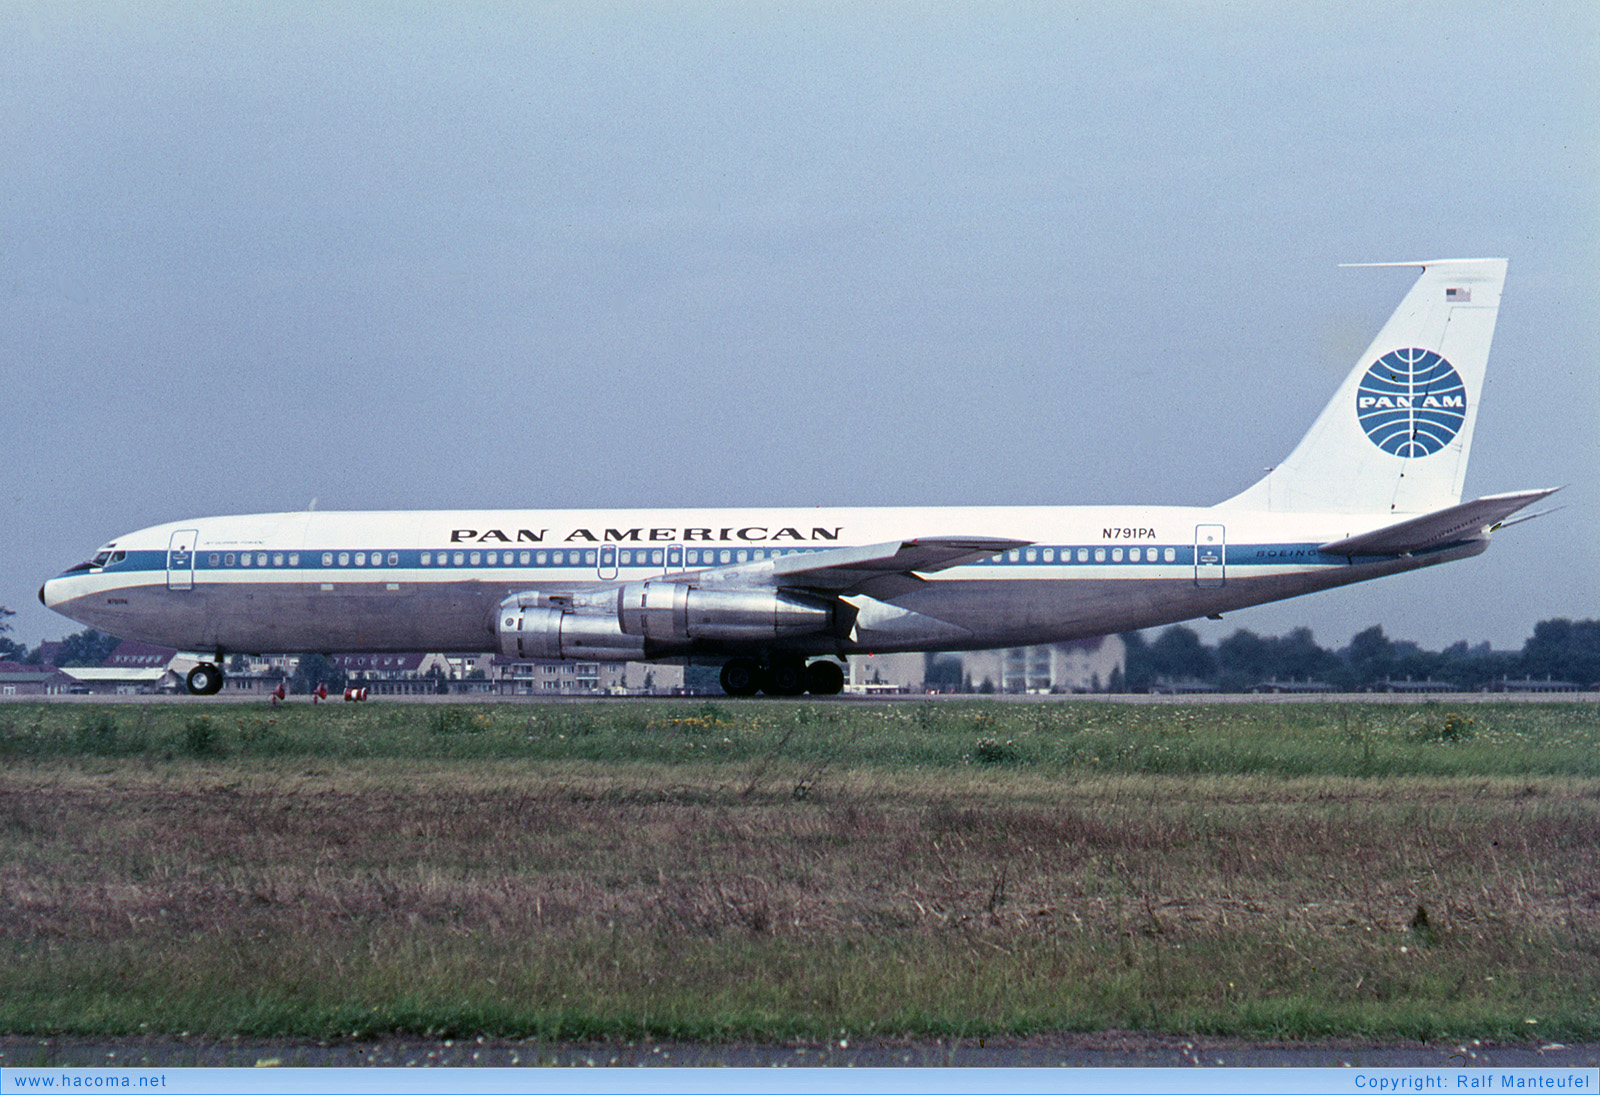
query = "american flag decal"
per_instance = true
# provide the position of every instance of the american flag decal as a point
(1458, 296)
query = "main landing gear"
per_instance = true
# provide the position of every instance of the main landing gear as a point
(204, 679)
(782, 677)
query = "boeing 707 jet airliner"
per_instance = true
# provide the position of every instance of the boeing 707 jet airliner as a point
(775, 594)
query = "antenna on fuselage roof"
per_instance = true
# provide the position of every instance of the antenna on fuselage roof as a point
(311, 507)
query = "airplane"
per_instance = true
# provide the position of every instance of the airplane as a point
(776, 595)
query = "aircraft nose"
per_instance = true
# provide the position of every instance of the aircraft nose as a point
(52, 592)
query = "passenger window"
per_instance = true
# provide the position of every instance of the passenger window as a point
(1116, 555)
(1083, 555)
(1049, 555)
(588, 557)
(727, 556)
(261, 558)
(743, 556)
(294, 558)
(540, 558)
(244, 559)
(1133, 555)
(494, 558)
(627, 558)
(214, 559)
(655, 557)
(1016, 556)
(1099, 555)
(361, 558)
(427, 558)
(394, 558)
(525, 557)
(1171, 555)
(476, 557)
(459, 558)
(327, 559)
(227, 560)
(344, 558)
(277, 559)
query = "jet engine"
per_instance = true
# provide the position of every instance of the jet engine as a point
(545, 632)
(655, 616)
(672, 612)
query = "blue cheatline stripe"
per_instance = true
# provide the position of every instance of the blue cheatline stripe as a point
(1052, 556)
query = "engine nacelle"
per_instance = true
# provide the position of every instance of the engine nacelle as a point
(533, 631)
(672, 612)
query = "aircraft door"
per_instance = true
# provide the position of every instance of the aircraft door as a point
(607, 567)
(180, 559)
(1210, 556)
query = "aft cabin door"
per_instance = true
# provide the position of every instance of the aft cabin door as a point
(1210, 556)
(180, 559)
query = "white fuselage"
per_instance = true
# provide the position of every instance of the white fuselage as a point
(408, 581)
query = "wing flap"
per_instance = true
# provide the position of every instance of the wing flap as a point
(1454, 524)
(883, 566)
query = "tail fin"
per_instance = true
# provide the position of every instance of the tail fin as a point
(1396, 435)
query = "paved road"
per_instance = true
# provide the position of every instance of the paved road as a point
(1077, 1050)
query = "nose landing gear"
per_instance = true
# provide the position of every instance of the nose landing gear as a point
(204, 679)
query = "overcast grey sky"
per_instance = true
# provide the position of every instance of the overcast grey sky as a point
(525, 255)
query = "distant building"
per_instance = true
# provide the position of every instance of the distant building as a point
(1293, 686)
(886, 674)
(19, 679)
(103, 681)
(1528, 684)
(391, 674)
(132, 655)
(131, 669)
(1410, 686)
(530, 677)
(1083, 665)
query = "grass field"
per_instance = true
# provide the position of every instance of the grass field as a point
(794, 870)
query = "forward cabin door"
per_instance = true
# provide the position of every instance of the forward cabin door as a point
(1210, 556)
(180, 559)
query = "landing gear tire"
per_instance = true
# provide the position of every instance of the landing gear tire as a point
(741, 677)
(785, 677)
(824, 678)
(204, 679)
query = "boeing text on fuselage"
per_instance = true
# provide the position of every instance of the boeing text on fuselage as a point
(777, 596)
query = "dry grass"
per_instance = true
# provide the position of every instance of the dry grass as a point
(777, 898)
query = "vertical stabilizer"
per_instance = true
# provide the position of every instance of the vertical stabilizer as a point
(1395, 437)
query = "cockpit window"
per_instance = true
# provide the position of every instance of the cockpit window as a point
(101, 559)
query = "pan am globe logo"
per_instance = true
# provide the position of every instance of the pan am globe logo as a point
(1411, 403)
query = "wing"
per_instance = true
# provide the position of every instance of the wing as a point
(1468, 521)
(877, 570)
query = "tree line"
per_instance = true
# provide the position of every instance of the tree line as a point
(1558, 650)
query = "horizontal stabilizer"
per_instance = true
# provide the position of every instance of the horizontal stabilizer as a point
(840, 569)
(1467, 521)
